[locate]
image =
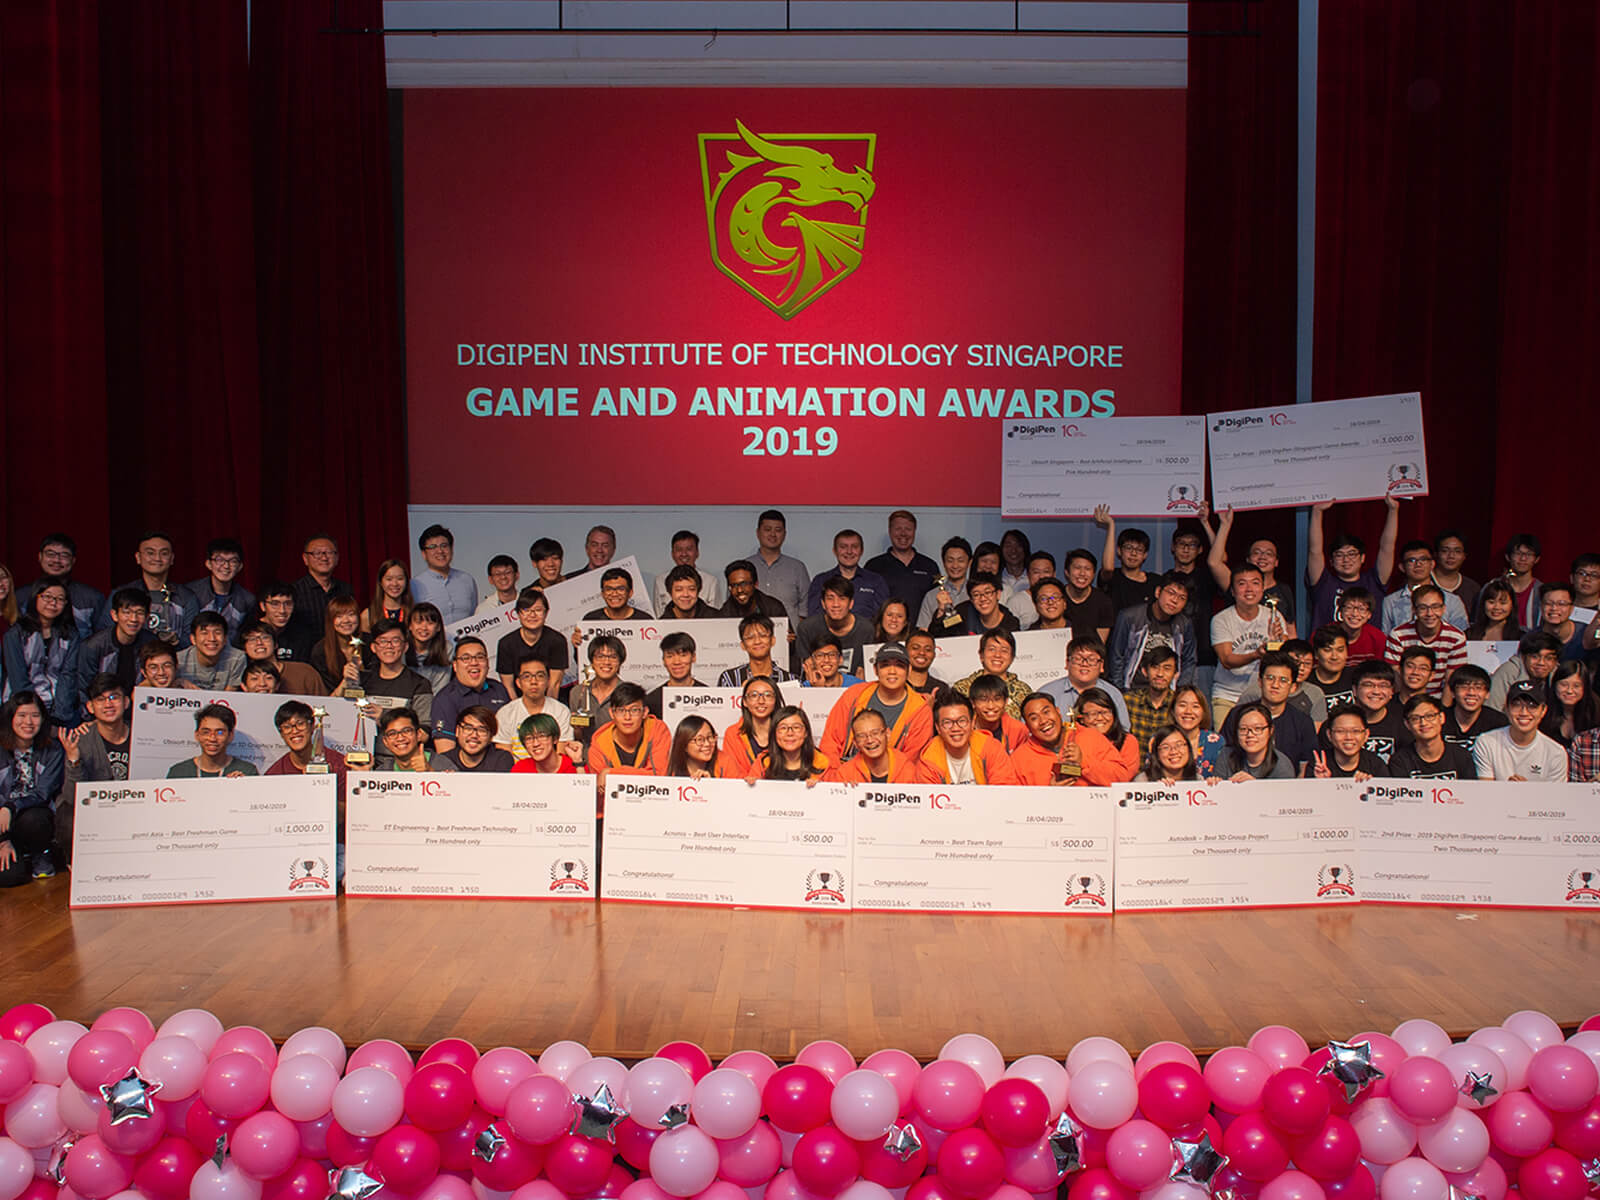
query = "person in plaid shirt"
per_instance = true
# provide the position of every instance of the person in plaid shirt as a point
(1150, 704)
(1583, 758)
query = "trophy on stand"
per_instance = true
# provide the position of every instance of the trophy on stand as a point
(319, 746)
(584, 709)
(1275, 626)
(949, 616)
(354, 691)
(1067, 772)
(360, 752)
(161, 615)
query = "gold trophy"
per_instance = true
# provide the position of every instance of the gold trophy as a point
(319, 752)
(360, 752)
(1069, 771)
(583, 705)
(354, 691)
(951, 617)
(1274, 625)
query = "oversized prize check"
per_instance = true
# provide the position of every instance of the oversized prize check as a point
(723, 841)
(1436, 841)
(184, 841)
(522, 837)
(163, 727)
(1364, 449)
(568, 600)
(1236, 845)
(984, 849)
(721, 706)
(716, 646)
(1140, 466)
(1041, 656)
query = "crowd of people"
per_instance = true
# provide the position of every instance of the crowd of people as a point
(1203, 671)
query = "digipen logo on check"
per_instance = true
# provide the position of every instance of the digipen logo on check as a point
(1032, 431)
(880, 799)
(691, 701)
(1087, 890)
(825, 888)
(1223, 423)
(569, 875)
(171, 704)
(107, 797)
(1335, 880)
(309, 875)
(1149, 796)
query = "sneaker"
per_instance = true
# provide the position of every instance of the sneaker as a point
(44, 865)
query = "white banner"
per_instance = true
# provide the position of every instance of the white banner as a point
(1140, 466)
(1041, 657)
(1236, 845)
(163, 727)
(983, 849)
(526, 837)
(721, 706)
(1529, 845)
(1363, 449)
(722, 841)
(716, 646)
(569, 600)
(187, 841)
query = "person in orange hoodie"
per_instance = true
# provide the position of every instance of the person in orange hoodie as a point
(1059, 754)
(906, 713)
(793, 754)
(747, 739)
(990, 697)
(875, 761)
(632, 742)
(959, 753)
(1097, 714)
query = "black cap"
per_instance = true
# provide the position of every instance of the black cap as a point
(891, 652)
(1524, 692)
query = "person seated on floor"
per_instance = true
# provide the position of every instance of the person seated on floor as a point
(694, 750)
(793, 754)
(544, 751)
(875, 761)
(632, 742)
(1346, 755)
(473, 748)
(957, 753)
(1170, 758)
(32, 766)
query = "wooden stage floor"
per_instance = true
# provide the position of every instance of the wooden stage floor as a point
(625, 978)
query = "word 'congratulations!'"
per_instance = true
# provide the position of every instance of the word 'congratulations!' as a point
(789, 354)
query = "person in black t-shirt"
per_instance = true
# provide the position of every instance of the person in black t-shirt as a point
(677, 655)
(616, 593)
(1347, 756)
(531, 636)
(294, 641)
(1332, 672)
(1374, 696)
(908, 573)
(1469, 716)
(1429, 756)
(1128, 584)
(1089, 610)
(1202, 579)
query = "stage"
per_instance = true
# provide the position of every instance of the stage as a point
(626, 978)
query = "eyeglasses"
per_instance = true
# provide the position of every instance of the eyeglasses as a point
(983, 593)
(616, 587)
(605, 656)
(400, 731)
(539, 737)
(472, 658)
(295, 725)
(1425, 718)
(1084, 660)
(322, 554)
(227, 560)
(388, 643)
(632, 710)
(432, 546)
(1430, 608)
(1416, 560)
(704, 739)
(1051, 598)
(1253, 730)
(954, 722)
(470, 727)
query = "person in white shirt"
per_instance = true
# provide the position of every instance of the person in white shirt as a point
(502, 593)
(533, 682)
(1519, 753)
(1241, 636)
(686, 553)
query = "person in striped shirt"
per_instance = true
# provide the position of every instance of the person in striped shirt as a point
(1428, 627)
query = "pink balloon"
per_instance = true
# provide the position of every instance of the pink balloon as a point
(246, 1039)
(203, 1127)
(900, 1069)
(1236, 1077)
(865, 1189)
(1329, 1152)
(227, 1182)
(1157, 1053)
(979, 1053)
(458, 1052)
(133, 1137)
(1032, 1168)
(50, 1044)
(33, 1119)
(1387, 1054)
(539, 1109)
(639, 1189)
(1413, 1179)
(447, 1187)
(543, 1189)
(970, 1164)
(1519, 1125)
(1386, 1136)
(785, 1186)
(93, 1171)
(176, 1063)
(302, 1086)
(1292, 1185)
(165, 1170)
(314, 1039)
(1579, 1132)
(832, 1059)
(16, 1071)
(1102, 1093)
(103, 1056)
(1465, 1057)
(825, 1161)
(560, 1058)
(314, 1135)
(1423, 1089)
(1515, 1053)
(688, 1056)
(265, 1145)
(386, 1056)
(634, 1142)
(368, 1102)
(750, 1161)
(236, 1084)
(1488, 1181)
(1561, 1077)
(1174, 1189)
(1456, 1144)
(1015, 1112)
(585, 1079)
(16, 1169)
(1046, 1073)
(1419, 1036)
(1097, 1049)
(79, 1109)
(1174, 1095)
(438, 1097)
(1587, 1040)
(196, 1024)
(497, 1072)
(797, 1098)
(1255, 1149)
(754, 1065)
(655, 1085)
(19, 1021)
(1278, 1046)
(725, 1103)
(948, 1094)
(1139, 1154)
(1534, 1028)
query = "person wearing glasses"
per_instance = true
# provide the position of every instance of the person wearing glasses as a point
(213, 731)
(632, 742)
(473, 748)
(451, 590)
(904, 710)
(1555, 618)
(1342, 565)
(315, 588)
(959, 753)
(1429, 756)
(40, 652)
(616, 596)
(1429, 627)
(58, 554)
(533, 699)
(1416, 571)
(981, 612)
(387, 679)
(875, 761)
(401, 746)
(547, 754)
(1522, 554)
(470, 684)
(1251, 754)
(1086, 663)
(291, 642)
(694, 750)
(793, 754)
(220, 591)
(1347, 756)
(296, 722)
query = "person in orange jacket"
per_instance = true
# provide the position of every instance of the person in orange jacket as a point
(875, 761)
(632, 742)
(905, 711)
(1071, 754)
(793, 754)
(959, 753)
(747, 738)
(990, 697)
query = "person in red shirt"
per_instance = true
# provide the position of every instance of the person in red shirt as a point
(540, 735)
(959, 753)
(1364, 639)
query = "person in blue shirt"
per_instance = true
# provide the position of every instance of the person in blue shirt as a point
(453, 591)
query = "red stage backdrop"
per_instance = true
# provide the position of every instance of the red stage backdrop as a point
(754, 297)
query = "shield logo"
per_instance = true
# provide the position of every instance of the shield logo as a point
(786, 212)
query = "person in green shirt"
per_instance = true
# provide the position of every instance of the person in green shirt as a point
(213, 730)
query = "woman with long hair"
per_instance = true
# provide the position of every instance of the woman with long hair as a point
(1497, 614)
(748, 738)
(40, 651)
(391, 594)
(8, 599)
(694, 750)
(1095, 711)
(333, 658)
(793, 753)
(1251, 753)
(893, 623)
(1191, 713)
(429, 655)
(32, 766)
(1572, 707)
(1171, 758)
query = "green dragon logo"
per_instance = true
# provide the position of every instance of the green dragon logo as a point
(787, 220)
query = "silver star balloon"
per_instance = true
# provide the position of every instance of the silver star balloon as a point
(488, 1144)
(902, 1141)
(128, 1099)
(351, 1183)
(676, 1115)
(1196, 1162)
(1351, 1065)
(1477, 1088)
(598, 1115)
(1457, 1193)
(220, 1154)
(1591, 1172)
(56, 1169)
(1066, 1142)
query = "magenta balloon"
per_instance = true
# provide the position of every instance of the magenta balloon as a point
(979, 1053)
(970, 1164)
(315, 1039)
(1236, 1077)
(832, 1059)
(497, 1072)
(16, 1070)
(265, 1145)
(901, 1069)
(948, 1094)
(1032, 1168)
(196, 1024)
(246, 1039)
(1419, 1036)
(1174, 1095)
(1295, 1101)
(101, 1056)
(368, 1102)
(1139, 1154)
(385, 1055)
(305, 1180)
(797, 1097)
(683, 1161)
(1579, 1132)
(750, 1161)
(1519, 1125)
(447, 1187)
(1292, 1185)
(1096, 1183)
(1515, 1053)
(236, 1084)
(539, 1109)
(203, 1127)
(176, 1063)
(689, 1056)
(132, 1137)
(1561, 1077)
(1358, 1185)
(1478, 1059)
(33, 1119)
(1015, 1112)
(514, 1164)
(165, 1170)
(826, 1161)
(1413, 1179)
(725, 1103)
(578, 1165)
(1102, 1093)
(890, 1170)
(543, 1189)
(1456, 1144)
(1329, 1152)
(439, 1096)
(50, 1044)
(1278, 1046)
(458, 1052)
(1045, 1073)
(1255, 1148)
(1423, 1088)
(640, 1189)
(302, 1086)
(655, 1085)
(1157, 1053)
(1488, 1181)
(752, 1064)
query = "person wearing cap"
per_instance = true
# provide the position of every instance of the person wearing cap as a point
(1519, 753)
(960, 752)
(904, 711)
